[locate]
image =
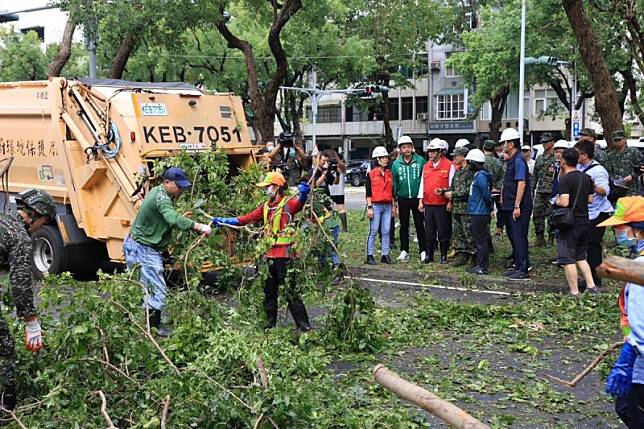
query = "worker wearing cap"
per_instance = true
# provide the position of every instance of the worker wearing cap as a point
(276, 214)
(437, 176)
(150, 236)
(621, 163)
(458, 195)
(626, 379)
(35, 208)
(526, 150)
(544, 175)
(588, 134)
(407, 172)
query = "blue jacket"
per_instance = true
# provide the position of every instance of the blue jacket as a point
(480, 200)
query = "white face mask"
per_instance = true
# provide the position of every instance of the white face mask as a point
(270, 191)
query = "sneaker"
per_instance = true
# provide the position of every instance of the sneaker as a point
(423, 255)
(509, 272)
(404, 256)
(530, 268)
(518, 276)
(478, 271)
(592, 290)
(371, 260)
(385, 259)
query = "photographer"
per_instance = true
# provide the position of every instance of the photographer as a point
(337, 189)
(326, 174)
(289, 157)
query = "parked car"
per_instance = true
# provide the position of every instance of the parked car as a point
(357, 172)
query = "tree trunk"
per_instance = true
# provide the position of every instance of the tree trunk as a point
(64, 50)
(605, 95)
(122, 56)
(631, 83)
(264, 103)
(389, 135)
(498, 106)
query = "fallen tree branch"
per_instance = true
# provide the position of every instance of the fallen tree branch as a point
(622, 269)
(442, 409)
(147, 334)
(262, 372)
(258, 421)
(115, 368)
(104, 410)
(164, 414)
(14, 417)
(589, 368)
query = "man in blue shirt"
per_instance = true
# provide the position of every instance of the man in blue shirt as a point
(599, 210)
(516, 202)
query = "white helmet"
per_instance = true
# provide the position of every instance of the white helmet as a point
(476, 155)
(379, 151)
(461, 143)
(526, 147)
(561, 144)
(435, 144)
(509, 134)
(405, 140)
(445, 145)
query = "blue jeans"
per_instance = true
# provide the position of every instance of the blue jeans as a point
(381, 220)
(335, 258)
(151, 263)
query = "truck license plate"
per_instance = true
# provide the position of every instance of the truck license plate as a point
(154, 109)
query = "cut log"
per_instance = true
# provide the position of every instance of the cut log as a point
(442, 409)
(622, 269)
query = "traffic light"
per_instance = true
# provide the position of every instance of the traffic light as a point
(371, 90)
(5, 16)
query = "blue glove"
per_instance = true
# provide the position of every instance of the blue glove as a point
(304, 189)
(621, 376)
(220, 221)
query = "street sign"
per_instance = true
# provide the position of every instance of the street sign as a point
(576, 124)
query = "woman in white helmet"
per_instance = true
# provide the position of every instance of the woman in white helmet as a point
(479, 207)
(379, 189)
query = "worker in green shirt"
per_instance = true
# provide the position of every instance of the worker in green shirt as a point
(150, 235)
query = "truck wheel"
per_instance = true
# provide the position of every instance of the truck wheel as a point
(49, 251)
(355, 180)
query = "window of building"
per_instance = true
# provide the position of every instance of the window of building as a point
(407, 108)
(545, 99)
(421, 105)
(450, 106)
(486, 112)
(449, 71)
(326, 114)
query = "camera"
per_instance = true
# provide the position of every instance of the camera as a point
(333, 165)
(285, 138)
(281, 168)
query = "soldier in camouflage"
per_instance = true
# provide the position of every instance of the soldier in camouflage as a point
(495, 167)
(458, 194)
(544, 174)
(620, 165)
(35, 208)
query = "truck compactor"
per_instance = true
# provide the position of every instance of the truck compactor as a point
(91, 145)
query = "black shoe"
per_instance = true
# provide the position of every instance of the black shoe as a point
(428, 259)
(300, 316)
(509, 272)
(478, 271)
(371, 260)
(385, 259)
(518, 276)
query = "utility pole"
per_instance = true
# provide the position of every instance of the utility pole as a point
(522, 72)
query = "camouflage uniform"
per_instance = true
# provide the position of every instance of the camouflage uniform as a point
(15, 251)
(600, 155)
(620, 165)
(461, 231)
(495, 168)
(544, 174)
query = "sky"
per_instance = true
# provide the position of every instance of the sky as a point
(53, 19)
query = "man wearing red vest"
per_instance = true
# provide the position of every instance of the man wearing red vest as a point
(437, 177)
(276, 214)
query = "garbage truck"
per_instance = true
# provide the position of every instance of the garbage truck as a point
(91, 144)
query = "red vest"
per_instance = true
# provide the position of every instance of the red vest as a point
(382, 186)
(435, 177)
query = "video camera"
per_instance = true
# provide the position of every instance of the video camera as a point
(333, 165)
(286, 139)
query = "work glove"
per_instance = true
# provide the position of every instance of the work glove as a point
(221, 221)
(304, 189)
(205, 229)
(621, 376)
(33, 335)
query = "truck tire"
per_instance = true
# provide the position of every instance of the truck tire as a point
(49, 251)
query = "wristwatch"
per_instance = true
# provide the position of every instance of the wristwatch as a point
(369, 206)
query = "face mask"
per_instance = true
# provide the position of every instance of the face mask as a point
(623, 240)
(270, 191)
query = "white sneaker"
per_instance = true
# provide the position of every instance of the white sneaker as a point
(423, 255)
(404, 257)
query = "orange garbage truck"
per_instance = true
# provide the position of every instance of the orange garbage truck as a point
(91, 144)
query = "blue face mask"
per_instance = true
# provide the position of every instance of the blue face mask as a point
(623, 240)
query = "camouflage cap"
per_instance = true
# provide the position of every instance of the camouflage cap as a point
(546, 137)
(588, 132)
(617, 135)
(37, 200)
(489, 144)
(460, 151)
